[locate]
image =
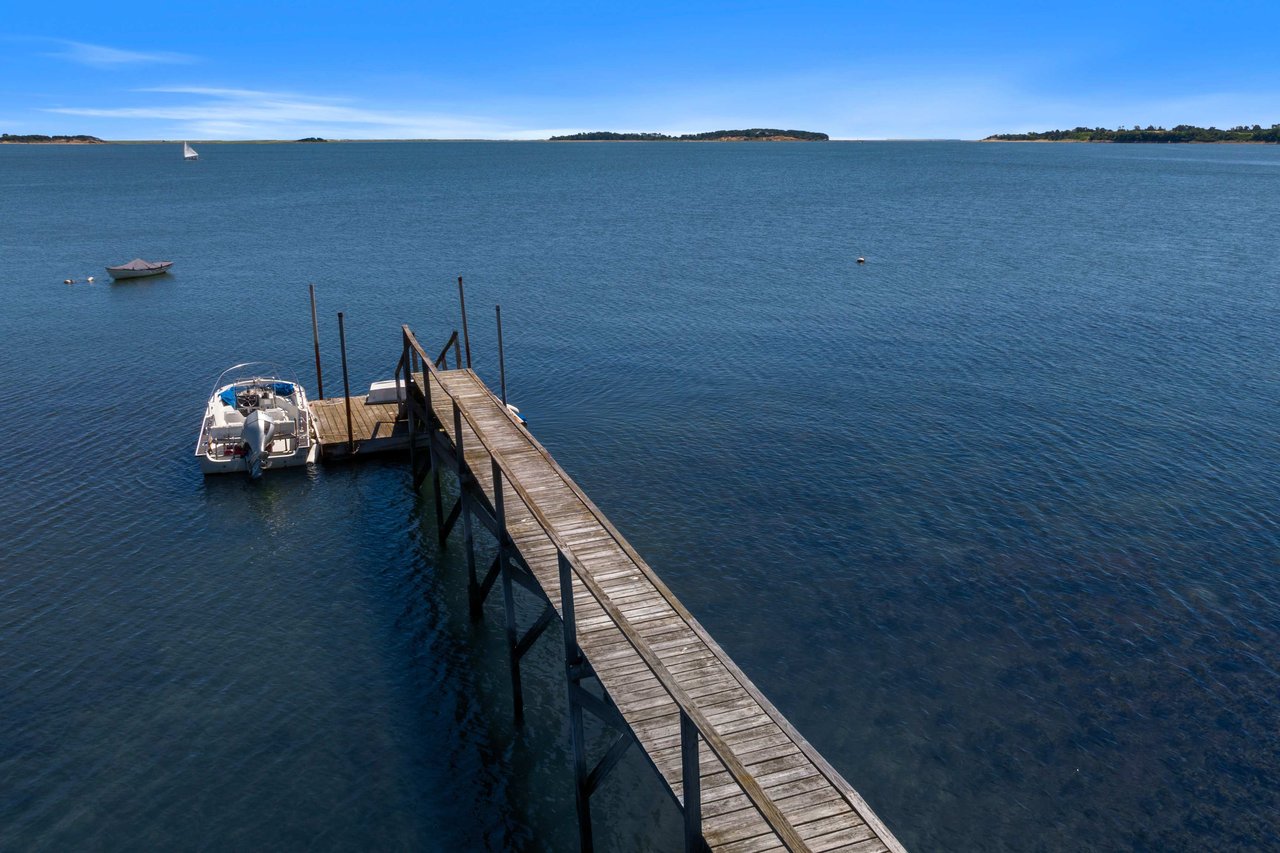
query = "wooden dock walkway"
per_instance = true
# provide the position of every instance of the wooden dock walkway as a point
(744, 778)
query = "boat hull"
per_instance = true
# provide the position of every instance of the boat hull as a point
(240, 464)
(119, 274)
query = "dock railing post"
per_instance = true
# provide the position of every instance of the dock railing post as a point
(315, 337)
(466, 339)
(508, 595)
(426, 393)
(421, 361)
(402, 381)
(435, 475)
(502, 364)
(346, 387)
(473, 583)
(573, 675)
(691, 785)
(406, 367)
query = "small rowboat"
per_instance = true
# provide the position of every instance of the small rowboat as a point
(137, 268)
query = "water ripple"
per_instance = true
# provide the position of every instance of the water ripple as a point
(992, 517)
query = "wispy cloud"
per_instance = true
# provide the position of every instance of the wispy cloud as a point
(101, 56)
(213, 112)
(853, 104)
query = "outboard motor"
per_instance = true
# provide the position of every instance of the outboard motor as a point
(257, 434)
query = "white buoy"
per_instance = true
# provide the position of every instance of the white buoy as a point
(89, 279)
(862, 260)
(67, 281)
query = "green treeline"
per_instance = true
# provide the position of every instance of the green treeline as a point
(709, 136)
(1181, 133)
(36, 137)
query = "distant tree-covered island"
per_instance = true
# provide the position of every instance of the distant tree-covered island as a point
(755, 134)
(36, 138)
(1150, 133)
(313, 139)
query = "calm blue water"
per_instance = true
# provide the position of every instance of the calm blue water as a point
(993, 518)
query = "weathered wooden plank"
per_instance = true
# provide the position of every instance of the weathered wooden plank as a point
(646, 708)
(814, 798)
(759, 738)
(768, 773)
(835, 831)
(820, 813)
(871, 845)
(621, 672)
(766, 757)
(757, 844)
(653, 614)
(657, 727)
(845, 841)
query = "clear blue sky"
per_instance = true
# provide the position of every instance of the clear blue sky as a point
(858, 70)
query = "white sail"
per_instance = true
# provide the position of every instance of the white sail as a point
(189, 153)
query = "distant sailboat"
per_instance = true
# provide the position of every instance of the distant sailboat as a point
(189, 153)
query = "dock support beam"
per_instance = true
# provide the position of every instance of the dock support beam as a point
(507, 563)
(517, 646)
(577, 670)
(573, 661)
(508, 597)
(435, 486)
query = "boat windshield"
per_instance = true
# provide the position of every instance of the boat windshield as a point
(254, 373)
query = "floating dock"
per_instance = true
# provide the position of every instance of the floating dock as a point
(375, 427)
(742, 775)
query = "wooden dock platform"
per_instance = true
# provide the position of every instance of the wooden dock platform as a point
(744, 778)
(375, 427)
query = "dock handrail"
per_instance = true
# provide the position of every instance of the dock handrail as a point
(442, 360)
(691, 716)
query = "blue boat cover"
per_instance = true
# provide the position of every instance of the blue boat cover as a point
(229, 396)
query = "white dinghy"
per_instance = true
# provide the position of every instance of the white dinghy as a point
(256, 419)
(138, 268)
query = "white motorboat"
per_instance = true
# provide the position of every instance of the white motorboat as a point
(256, 419)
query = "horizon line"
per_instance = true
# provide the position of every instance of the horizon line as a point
(476, 139)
